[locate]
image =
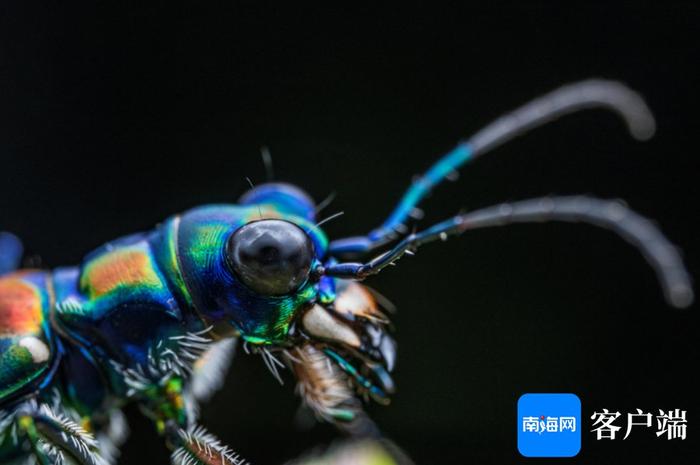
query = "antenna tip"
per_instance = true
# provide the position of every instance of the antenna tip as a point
(681, 296)
(644, 128)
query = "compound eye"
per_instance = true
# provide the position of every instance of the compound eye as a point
(272, 257)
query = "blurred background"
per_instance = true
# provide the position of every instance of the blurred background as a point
(113, 117)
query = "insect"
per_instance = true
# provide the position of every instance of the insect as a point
(153, 318)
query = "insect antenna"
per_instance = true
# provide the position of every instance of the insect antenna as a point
(594, 93)
(570, 98)
(659, 252)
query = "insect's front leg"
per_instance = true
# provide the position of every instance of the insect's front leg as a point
(168, 405)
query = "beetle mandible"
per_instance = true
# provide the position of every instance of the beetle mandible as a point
(153, 318)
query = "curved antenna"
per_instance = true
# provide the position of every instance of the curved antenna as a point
(594, 93)
(661, 254)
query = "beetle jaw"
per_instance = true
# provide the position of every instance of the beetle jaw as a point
(352, 334)
(350, 331)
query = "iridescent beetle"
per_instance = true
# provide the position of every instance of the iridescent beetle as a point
(153, 318)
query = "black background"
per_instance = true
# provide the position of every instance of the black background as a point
(114, 117)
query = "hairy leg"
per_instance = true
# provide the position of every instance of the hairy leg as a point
(168, 404)
(48, 436)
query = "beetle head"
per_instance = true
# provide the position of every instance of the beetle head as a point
(275, 259)
(256, 269)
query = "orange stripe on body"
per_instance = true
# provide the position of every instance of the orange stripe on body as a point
(123, 268)
(20, 307)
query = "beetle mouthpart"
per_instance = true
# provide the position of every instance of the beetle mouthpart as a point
(371, 379)
(386, 346)
(353, 336)
(318, 322)
(323, 386)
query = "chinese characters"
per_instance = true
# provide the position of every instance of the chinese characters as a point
(671, 424)
(548, 424)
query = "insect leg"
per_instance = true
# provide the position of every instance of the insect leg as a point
(661, 254)
(196, 446)
(53, 436)
(565, 100)
(171, 408)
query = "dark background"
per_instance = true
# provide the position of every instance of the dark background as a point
(114, 117)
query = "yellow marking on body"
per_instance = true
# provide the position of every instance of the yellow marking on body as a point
(86, 424)
(126, 267)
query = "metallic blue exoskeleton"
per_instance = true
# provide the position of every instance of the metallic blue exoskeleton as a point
(153, 318)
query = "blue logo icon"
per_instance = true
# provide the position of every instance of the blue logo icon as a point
(549, 425)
